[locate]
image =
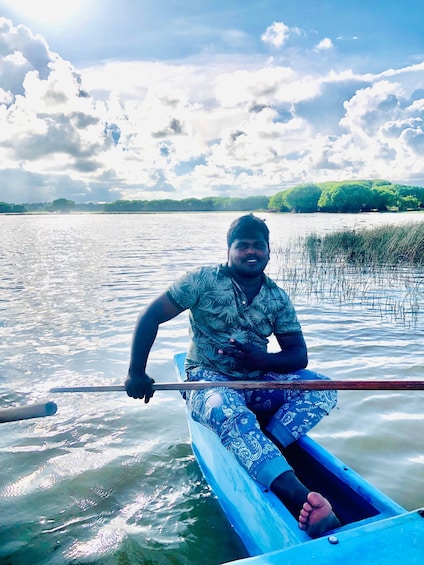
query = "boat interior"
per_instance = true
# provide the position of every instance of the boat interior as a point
(350, 502)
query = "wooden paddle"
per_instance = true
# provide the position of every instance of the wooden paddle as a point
(293, 385)
(26, 412)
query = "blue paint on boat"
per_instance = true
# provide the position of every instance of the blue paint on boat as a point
(397, 540)
(270, 532)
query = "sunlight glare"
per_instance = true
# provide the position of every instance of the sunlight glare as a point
(47, 11)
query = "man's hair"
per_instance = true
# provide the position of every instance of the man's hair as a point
(245, 227)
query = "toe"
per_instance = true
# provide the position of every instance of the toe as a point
(304, 514)
(315, 500)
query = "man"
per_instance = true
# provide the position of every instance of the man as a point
(234, 308)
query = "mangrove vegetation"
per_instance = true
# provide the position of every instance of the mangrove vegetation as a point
(348, 196)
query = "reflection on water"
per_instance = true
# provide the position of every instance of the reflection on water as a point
(108, 479)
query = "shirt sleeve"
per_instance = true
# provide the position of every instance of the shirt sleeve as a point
(184, 291)
(286, 320)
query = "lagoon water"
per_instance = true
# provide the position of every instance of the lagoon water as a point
(109, 480)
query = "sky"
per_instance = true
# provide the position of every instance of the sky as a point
(138, 99)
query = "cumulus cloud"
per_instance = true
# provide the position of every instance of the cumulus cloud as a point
(21, 51)
(385, 128)
(277, 34)
(324, 44)
(234, 125)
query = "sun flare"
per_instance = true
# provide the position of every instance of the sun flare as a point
(48, 12)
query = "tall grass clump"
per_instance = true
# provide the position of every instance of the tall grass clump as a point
(384, 245)
(380, 269)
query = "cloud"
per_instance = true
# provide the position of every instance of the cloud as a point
(235, 125)
(324, 44)
(277, 34)
(21, 51)
(383, 133)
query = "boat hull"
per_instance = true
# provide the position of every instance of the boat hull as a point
(393, 541)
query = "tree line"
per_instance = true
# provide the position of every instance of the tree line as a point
(348, 196)
(208, 204)
(336, 197)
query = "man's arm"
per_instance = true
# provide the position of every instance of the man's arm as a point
(138, 383)
(292, 357)
(294, 354)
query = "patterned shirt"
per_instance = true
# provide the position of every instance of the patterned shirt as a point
(219, 310)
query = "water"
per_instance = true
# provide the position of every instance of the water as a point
(108, 480)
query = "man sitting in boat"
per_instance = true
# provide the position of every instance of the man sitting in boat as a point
(234, 308)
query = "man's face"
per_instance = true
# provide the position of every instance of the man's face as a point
(248, 257)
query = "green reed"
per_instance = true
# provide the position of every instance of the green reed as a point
(381, 269)
(384, 245)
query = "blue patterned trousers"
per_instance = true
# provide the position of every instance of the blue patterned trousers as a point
(235, 414)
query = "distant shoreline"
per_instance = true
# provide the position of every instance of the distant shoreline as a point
(334, 197)
(149, 212)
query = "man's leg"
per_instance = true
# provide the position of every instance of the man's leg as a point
(224, 411)
(289, 414)
(299, 410)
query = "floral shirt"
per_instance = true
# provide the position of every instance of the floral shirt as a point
(219, 310)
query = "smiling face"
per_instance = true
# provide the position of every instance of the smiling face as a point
(248, 256)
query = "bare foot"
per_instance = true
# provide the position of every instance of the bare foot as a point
(317, 516)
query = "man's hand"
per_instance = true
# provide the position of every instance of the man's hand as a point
(247, 355)
(140, 386)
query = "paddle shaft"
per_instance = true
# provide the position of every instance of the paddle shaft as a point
(27, 412)
(292, 385)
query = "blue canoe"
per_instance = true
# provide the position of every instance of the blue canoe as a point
(375, 530)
